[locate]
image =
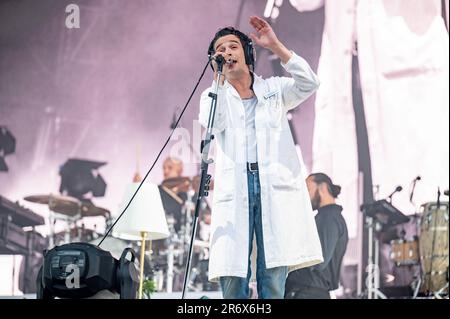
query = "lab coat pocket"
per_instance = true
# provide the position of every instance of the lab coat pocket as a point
(224, 185)
(282, 178)
(274, 112)
(223, 197)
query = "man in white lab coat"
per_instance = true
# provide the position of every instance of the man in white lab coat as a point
(259, 186)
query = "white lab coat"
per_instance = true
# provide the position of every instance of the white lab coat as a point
(289, 230)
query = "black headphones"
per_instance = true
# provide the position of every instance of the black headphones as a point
(247, 44)
(127, 275)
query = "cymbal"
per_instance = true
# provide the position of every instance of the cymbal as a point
(90, 210)
(68, 206)
(60, 204)
(183, 184)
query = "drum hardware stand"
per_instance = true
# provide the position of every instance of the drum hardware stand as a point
(438, 206)
(171, 253)
(373, 269)
(378, 213)
(52, 221)
(187, 209)
(417, 288)
(170, 257)
(158, 278)
(418, 280)
(195, 273)
(438, 293)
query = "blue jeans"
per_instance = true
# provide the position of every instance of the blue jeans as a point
(270, 282)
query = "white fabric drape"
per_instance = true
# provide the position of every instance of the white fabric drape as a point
(403, 59)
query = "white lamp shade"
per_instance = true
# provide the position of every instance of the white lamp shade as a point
(145, 214)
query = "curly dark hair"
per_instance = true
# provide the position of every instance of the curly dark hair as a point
(246, 42)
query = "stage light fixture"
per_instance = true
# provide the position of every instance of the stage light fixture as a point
(80, 177)
(7, 146)
(82, 270)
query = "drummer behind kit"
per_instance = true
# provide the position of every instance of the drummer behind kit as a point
(168, 258)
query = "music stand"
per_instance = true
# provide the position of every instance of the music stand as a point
(384, 212)
(378, 214)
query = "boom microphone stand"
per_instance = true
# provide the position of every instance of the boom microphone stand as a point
(205, 178)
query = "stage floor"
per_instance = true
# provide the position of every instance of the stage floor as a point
(156, 295)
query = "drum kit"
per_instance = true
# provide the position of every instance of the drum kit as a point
(418, 250)
(165, 262)
(71, 212)
(427, 249)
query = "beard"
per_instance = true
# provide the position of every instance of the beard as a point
(315, 200)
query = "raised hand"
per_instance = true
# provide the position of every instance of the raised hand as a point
(265, 36)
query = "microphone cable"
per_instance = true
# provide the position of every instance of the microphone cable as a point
(157, 157)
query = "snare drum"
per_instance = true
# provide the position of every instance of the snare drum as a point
(75, 234)
(404, 252)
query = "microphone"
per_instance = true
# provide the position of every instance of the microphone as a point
(221, 60)
(173, 125)
(397, 189)
(439, 197)
(218, 58)
(418, 178)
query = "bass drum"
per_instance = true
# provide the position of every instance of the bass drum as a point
(433, 243)
(405, 252)
(75, 234)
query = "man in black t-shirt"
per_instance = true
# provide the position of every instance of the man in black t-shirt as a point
(317, 281)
